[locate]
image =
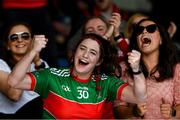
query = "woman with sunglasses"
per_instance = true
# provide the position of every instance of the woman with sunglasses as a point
(161, 68)
(81, 90)
(24, 104)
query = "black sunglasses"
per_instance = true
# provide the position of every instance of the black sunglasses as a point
(20, 35)
(150, 28)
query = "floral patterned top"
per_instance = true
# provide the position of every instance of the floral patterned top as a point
(169, 90)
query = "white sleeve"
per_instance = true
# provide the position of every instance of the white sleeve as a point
(4, 66)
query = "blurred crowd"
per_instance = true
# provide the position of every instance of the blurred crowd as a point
(147, 30)
(60, 20)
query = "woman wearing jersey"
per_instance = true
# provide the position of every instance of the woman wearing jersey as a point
(81, 90)
(101, 26)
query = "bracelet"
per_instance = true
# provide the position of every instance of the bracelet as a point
(42, 65)
(173, 112)
(138, 72)
(116, 38)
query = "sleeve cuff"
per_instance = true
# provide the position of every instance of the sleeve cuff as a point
(120, 89)
(33, 81)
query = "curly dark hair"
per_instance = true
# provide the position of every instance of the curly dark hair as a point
(167, 56)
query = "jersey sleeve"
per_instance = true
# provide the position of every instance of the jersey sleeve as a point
(40, 81)
(116, 87)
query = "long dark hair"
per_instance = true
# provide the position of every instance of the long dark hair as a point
(7, 55)
(167, 55)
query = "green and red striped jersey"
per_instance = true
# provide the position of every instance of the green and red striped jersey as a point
(65, 97)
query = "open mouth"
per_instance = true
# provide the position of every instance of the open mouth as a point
(146, 40)
(83, 62)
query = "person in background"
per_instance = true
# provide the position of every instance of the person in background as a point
(18, 39)
(37, 13)
(134, 19)
(105, 8)
(85, 86)
(161, 68)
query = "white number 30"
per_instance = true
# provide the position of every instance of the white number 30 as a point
(83, 94)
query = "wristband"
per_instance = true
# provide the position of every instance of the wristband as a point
(116, 38)
(138, 72)
(173, 112)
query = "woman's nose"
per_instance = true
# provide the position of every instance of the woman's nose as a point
(85, 54)
(19, 39)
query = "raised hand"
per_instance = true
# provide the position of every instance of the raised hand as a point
(166, 109)
(134, 60)
(39, 42)
(115, 21)
(142, 108)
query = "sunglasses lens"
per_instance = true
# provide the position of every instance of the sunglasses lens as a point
(25, 36)
(151, 28)
(140, 29)
(13, 37)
